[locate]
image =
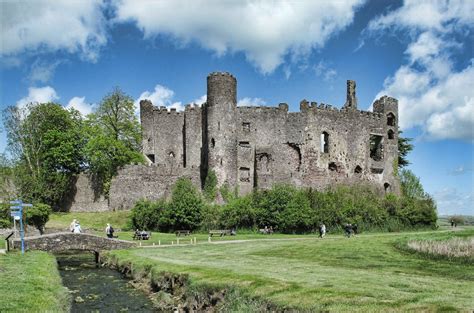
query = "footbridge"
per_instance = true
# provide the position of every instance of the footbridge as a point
(61, 242)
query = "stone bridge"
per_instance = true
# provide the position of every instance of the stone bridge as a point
(60, 242)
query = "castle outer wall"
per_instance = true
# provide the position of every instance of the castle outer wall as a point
(257, 147)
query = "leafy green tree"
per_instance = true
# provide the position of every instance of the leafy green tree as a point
(404, 147)
(186, 206)
(114, 138)
(210, 186)
(239, 213)
(46, 143)
(38, 215)
(411, 185)
(5, 218)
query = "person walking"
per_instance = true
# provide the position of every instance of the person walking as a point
(109, 231)
(323, 230)
(348, 230)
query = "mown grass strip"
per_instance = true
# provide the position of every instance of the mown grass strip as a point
(31, 283)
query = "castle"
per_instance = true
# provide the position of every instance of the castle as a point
(256, 147)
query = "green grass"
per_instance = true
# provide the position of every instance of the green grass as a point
(366, 273)
(31, 283)
(89, 220)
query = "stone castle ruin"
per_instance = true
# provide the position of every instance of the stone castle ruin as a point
(256, 147)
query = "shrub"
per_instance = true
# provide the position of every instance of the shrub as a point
(5, 219)
(146, 215)
(38, 215)
(297, 215)
(186, 206)
(210, 186)
(239, 213)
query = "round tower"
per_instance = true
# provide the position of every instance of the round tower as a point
(221, 137)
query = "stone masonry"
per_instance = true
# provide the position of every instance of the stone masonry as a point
(256, 147)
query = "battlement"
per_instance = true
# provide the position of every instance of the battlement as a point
(221, 74)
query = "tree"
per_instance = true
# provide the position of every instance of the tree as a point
(46, 143)
(404, 147)
(38, 216)
(210, 186)
(411, 185)
(186, 205)
(114, 138)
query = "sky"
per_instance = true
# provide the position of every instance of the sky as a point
(420, 52)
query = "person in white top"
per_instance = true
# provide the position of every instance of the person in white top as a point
(72, 225)
(77, 228)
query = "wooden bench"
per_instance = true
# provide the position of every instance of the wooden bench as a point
(222, 232)
(183, 232)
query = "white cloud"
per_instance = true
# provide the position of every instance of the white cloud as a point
(323, 70)
(161, 96)
(251, 102)
(47, 25)
(460, 170)
(451, 202)
(78, 103)
(432, 94)
(42, 71)
(38, 95)
(266, 31)
(201, 100)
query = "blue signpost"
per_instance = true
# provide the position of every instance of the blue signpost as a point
(17, 211)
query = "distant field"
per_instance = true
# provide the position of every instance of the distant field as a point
(365, 273)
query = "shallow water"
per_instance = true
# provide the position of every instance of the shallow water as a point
(95, 289)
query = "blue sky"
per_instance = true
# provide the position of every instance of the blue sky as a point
(421, 52)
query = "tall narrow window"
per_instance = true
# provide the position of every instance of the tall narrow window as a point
(325, 142)
(376, 147)
(391, 134)
(390, 119)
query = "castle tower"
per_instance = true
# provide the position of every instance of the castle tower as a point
(220, 137)
(351, 99)
(388, 108)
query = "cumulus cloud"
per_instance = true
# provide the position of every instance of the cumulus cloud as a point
(432, 93)
(251, 102)
(38, 95)
(265, 31)
(460, 170)
(79, 103)
(47, 25)
(450, 202)
(160, 96)
(201, 100)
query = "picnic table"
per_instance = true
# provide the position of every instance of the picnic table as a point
(222, 232)
(184, 232)
(141, 235)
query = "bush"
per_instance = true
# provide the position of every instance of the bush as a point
(147, 215)
(210, 186)
(239, 213)
(6, 220)
(186, 206)
(38, 215)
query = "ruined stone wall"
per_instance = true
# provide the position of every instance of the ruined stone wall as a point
(87, 197)
(136, 182)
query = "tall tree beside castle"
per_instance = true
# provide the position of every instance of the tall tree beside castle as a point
(46, 142)
(113, 138)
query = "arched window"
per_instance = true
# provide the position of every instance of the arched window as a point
(391, 119)
(387, 188)
(358, 169)
(391, 134)
(325, 142)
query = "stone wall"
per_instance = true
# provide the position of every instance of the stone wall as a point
(86, 196)
(136, 182)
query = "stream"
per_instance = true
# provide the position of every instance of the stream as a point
(96, 289)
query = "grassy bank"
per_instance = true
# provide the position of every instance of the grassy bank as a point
(89, 220)
(365, 273)
(31, 283)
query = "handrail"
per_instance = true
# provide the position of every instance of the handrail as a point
(8, 242)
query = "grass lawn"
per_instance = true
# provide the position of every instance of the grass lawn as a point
(89, 220)
(363, 273)
(31, 283)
